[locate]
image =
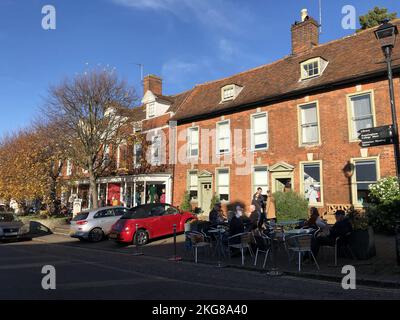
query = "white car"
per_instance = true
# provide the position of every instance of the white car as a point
(94, 225)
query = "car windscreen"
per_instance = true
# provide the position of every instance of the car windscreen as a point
(139, 212)
(7, 217)
(81, 216)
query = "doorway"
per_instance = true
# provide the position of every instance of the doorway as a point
(282, 177)
(206, 196)
(283, 184)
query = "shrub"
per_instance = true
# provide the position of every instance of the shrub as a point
(186, 205)
(215, 199)
(290, 206)
(385, 191)
(384, 211)
(358, 220)
(383, 216)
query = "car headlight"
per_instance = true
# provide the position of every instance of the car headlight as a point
(24, 229)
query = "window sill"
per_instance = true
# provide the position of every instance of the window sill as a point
(257, 150)
(311, 145)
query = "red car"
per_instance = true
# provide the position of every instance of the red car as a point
(153, 220)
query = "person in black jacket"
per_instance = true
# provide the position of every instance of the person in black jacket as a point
(236, 225)
(339, 229)
(215, 215)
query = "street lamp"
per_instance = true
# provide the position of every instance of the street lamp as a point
(386, 34)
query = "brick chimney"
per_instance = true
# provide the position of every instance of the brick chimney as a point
(305, 34)
(152, 83)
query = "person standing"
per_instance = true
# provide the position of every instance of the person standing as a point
(102, 202)
(162, 198)
(270, 207)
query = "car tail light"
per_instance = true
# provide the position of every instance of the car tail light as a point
(82, 222)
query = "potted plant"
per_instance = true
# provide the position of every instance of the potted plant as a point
(362, 240)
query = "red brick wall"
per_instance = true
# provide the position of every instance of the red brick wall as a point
(335, 151)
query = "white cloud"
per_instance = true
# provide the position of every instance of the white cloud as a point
(216, 14)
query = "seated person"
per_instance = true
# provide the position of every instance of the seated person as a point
(340, 228)
(236, 225)
(215, 216)
(315, 221)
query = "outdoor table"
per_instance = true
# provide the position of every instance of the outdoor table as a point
(219, 246)
(299, 231)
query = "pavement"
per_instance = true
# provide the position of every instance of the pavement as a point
(106, 270)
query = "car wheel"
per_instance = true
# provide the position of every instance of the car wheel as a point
(96, 235)
(142, 237)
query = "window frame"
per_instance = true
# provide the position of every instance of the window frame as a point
(156, 162)
(253, 186)
(137, 164)
(350, 112)
(217, 126)
(217, 170)
(226, 88)
(300, 124)
(188, 181)
(307, 62)
(68, 169)
(151, 106)
(189, 142)
(252, 117)
(321, 174)
(353, 161)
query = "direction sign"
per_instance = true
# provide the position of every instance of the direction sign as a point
(376, 136)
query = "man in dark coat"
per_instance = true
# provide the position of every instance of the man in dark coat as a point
(339, 229)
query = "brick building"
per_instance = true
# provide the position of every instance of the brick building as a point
(298, 119)
(291, 123)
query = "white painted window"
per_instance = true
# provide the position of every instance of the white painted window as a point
(223, 137)
(137, 154)
(260, 179)
(362, 116)
(192, 184)
(223, 184)
(259, 124)
(69, 168)
(312, 182)
(311, 69)
(193, 142)
(365, 173)
(106, 155)
(228, 93)
(156, 150)
(151, 110)
(309, 124)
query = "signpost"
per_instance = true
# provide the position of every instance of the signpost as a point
(376, 136)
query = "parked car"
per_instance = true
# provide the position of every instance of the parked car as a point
(94, 225)
(11, 228)
(153, 221)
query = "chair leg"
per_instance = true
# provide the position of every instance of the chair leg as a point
(250, 250)
(266, 258)
(255, 260)
(336, 253)
(195, 252)
(299, 261)
(242, 250)
(315, 260)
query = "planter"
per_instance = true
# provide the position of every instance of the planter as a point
(362, 243)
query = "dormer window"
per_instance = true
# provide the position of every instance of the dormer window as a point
(151, 110)
(312, 68)
(230, 92)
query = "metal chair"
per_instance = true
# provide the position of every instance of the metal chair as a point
(301, 244)
(246, 239)
(340, 242)
(198, 240)
(263, 243)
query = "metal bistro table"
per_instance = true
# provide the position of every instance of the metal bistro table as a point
(219, 245)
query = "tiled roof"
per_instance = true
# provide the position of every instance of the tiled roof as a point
(349, 58)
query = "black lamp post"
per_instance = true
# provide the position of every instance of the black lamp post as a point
(386, 34)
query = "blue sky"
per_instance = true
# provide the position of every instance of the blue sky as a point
(186, 42)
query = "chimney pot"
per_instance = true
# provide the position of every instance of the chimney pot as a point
(304, 14)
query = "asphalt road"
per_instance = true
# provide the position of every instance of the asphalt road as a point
(89, 272)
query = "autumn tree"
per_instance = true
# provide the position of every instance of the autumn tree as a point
(375, 17)
(92, 108)
(31, 161)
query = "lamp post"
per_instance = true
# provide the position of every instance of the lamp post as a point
(386, 34)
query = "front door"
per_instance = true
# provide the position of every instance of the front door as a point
(281, 183)
(206, 196)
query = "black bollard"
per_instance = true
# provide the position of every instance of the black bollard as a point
(175, 257)
(138, 252)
